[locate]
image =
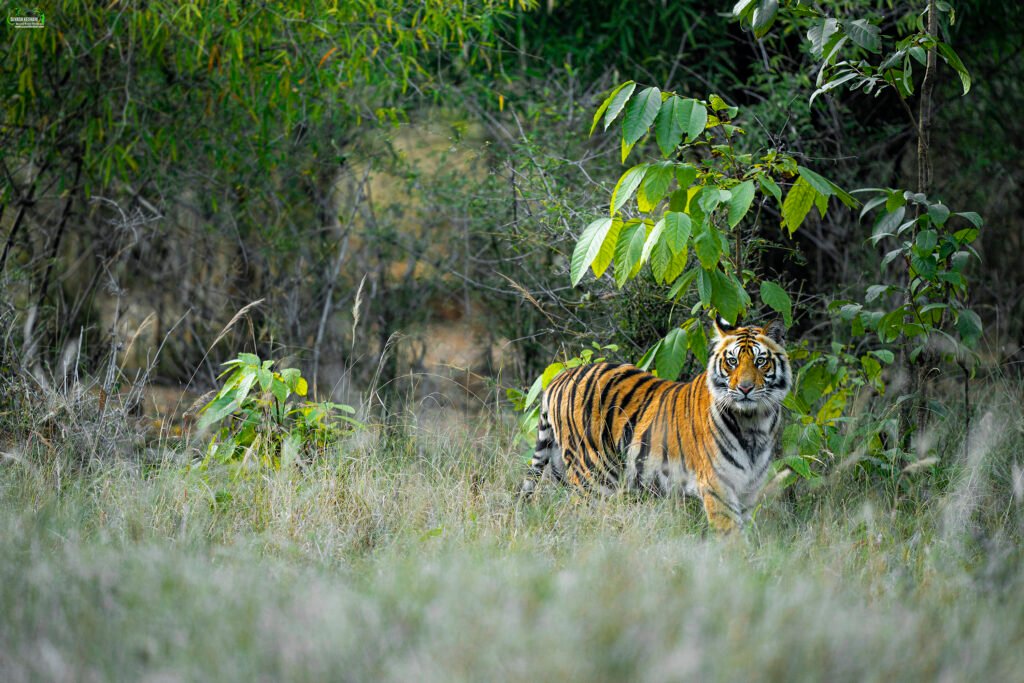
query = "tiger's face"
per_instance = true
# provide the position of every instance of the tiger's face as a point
(749, 370)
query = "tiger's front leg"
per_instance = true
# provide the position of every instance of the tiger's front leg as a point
(722, 509)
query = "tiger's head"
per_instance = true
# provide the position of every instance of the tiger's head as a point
(749, 370)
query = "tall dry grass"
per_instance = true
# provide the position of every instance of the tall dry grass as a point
(403, 555)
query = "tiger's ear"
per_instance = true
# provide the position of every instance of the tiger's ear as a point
(722, 326)
(776, 331)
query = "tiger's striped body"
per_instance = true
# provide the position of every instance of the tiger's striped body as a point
(606, 426)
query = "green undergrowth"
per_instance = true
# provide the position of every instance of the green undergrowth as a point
(405, 556)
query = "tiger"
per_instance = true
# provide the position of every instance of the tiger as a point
(606, 426)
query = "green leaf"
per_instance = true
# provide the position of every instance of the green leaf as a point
(677, 230)
(607, 102)
(727, 295)
(670, 125)
(739, 203)
(607, 251)
(769, 186)
(704, 282)
(686, 174)
(653, 238)
(627, 147)
(776, 298)
(926, 241)
(708, 199)
(865, 35)
(265, 377)
(799, 465)
(280, 390)
(939, 213)
(654, 186)
(875, 291)
(671, 354)
(743, 7)
(798, 203)
(682, 284)
(640, 114)
(708, 246)
(819, 35)
(694, 118)
(950, 57)
(628, 251)
(764, 17)
(884, 355)
(218, 409)
(290, 376)
(820, 184)
(661, 257)
(626, 186)
(550, 372)
(588, 247)
(249, 359)
(617, 101)
(647, 360)
(971, 216)
(888, 223)
(675, 267)
(534, 391)
(968, 324)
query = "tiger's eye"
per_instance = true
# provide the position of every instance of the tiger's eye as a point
(761, 361)
(731, 362)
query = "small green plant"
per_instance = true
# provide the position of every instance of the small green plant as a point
(258, 422)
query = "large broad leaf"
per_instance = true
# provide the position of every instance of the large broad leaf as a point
(769, 186)
(968, 324)
(704, 283)
(764, 17)
(776, 298)
(218, 409)
(608, 101)
(671, 354)
(694, 116)
(653, 238)
(677, 230)
(819, 35)
(588, 247)
(682, 284)
(670, 125)
(627, 185)
(655, 184)
(661, 256)
(708, 246)
(739, 203)
(628, 251)
(727, 296)
(607, 251)
(676, 266)
(797, 204)
(865, 35)
(951, 58)
(618, 101)
(888, 223)
(640, 114)
(826, 187)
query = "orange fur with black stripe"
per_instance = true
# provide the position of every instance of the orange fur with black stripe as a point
(607, 426)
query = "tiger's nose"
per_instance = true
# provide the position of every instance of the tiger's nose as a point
(745, 387)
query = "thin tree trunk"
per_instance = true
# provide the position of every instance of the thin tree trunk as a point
(917, 408)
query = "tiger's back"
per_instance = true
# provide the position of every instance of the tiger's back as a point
(608, 426)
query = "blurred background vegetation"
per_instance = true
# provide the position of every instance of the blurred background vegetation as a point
(170, 164)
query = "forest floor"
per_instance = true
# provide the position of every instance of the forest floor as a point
(404, 556)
